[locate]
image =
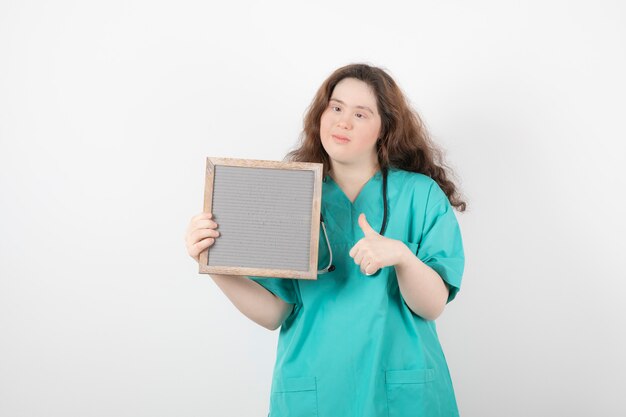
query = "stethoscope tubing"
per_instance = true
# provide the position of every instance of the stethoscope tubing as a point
(330, 267)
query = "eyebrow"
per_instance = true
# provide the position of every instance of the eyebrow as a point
(358, 107)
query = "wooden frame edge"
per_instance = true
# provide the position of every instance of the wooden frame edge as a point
(203, 259)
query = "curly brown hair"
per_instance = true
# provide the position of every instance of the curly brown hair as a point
(404, 142)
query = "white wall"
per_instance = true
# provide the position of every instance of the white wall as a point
(108, 110)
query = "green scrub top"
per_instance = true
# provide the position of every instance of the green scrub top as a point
(351, 346)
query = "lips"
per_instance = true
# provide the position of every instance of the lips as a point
(340, 138)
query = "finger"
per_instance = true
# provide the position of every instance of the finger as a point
(364, 269)
(199, 234)
(201, 216)
(205, 224)
(365, 262)
(197, 248)
(354, 250)
(371, 268)
(199, 224)
(196, 218)
(358, 257)
(196, 235)
(369, 272)
(365, 226)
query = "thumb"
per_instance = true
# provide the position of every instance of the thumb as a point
(365, 226)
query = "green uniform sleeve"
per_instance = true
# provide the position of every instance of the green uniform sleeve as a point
(441, 244)
(284, 288)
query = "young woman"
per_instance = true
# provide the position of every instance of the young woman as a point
(361, 339)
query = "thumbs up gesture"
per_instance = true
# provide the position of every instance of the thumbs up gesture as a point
(374, 251)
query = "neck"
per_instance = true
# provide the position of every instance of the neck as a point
(352, 175)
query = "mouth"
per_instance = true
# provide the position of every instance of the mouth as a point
(341, 139)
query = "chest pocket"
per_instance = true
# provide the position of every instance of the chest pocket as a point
(294, 397)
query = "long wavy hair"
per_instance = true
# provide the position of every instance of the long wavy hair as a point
(404, 142)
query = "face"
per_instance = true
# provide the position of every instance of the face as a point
(350, 125)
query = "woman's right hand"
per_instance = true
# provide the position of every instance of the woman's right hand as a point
(200, 234)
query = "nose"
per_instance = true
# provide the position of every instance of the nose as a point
(344, 121)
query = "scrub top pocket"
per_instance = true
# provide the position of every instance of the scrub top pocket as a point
(409, 392)
(294, 397)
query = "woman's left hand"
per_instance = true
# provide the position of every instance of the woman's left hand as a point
(374, 251)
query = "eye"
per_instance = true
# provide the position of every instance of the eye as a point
(335, 108)
(360, 116)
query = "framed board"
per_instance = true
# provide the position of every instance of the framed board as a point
(268, 216)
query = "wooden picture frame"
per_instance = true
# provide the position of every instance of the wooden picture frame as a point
(268, 216)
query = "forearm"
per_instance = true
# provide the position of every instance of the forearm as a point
(423, 290)
(253, 300)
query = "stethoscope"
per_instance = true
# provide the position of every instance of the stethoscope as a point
(330, 267)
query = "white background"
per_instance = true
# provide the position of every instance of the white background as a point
(108, 110)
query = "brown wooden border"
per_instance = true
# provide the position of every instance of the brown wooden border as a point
(211, 162)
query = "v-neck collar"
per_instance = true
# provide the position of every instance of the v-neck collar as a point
(374, 178)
